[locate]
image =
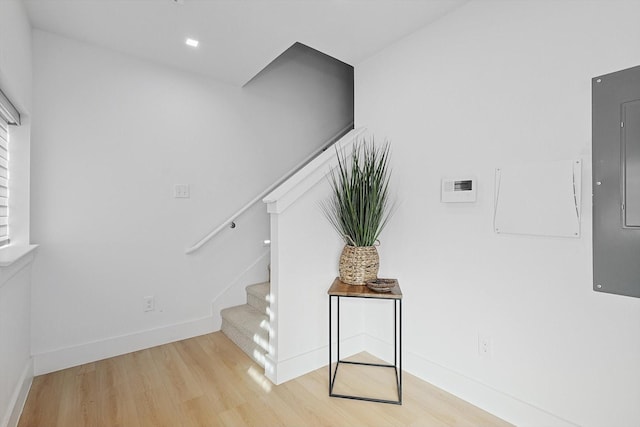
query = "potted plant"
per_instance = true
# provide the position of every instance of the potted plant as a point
(359, 208)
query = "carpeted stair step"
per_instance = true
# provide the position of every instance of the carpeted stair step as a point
(248, 329)
(258, 296)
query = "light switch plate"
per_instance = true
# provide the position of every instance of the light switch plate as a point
(181, 191)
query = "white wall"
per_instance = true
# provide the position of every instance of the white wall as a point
(15, 54)
(305, 250)
(496, 83)
(16, 367)
(113, 135)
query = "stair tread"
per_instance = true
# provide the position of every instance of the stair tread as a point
(247, 325)
(260, 290)
(247, 319)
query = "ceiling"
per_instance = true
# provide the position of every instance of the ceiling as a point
(238, 38)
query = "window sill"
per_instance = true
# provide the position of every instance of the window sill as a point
(13, 259)
(12, 254)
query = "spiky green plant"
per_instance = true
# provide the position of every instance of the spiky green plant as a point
(359, 207)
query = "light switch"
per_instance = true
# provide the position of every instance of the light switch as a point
(181, 191)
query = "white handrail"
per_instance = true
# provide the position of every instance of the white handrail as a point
(232, 218)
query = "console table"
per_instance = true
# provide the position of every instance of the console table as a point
(340, 290)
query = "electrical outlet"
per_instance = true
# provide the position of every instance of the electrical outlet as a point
(484, 345)
(149, 304)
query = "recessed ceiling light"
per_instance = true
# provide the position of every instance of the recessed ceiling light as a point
(192, 42)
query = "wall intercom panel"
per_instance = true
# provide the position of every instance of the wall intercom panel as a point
(458, 190)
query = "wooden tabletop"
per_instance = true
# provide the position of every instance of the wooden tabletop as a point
(341, 289)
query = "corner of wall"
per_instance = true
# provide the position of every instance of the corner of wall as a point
(481, 395)
(281, 371)
(19, 397)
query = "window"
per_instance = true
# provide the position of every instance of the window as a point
(8, 116)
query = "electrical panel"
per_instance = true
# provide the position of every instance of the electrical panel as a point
(616, 182)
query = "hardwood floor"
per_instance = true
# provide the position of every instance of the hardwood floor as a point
(208, 381)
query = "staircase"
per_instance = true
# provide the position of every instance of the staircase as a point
(248, 325)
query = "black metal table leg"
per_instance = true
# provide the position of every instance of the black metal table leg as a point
(396, 298)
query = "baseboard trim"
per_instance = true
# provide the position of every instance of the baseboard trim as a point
(56, 360)
(509, 408)
(284, 370)
(19, 397)
(481, 395)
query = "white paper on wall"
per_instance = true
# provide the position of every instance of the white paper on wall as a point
(540, 199)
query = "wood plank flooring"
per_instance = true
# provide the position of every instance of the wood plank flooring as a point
(207, 381)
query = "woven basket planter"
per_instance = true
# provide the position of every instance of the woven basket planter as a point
(358, 264)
